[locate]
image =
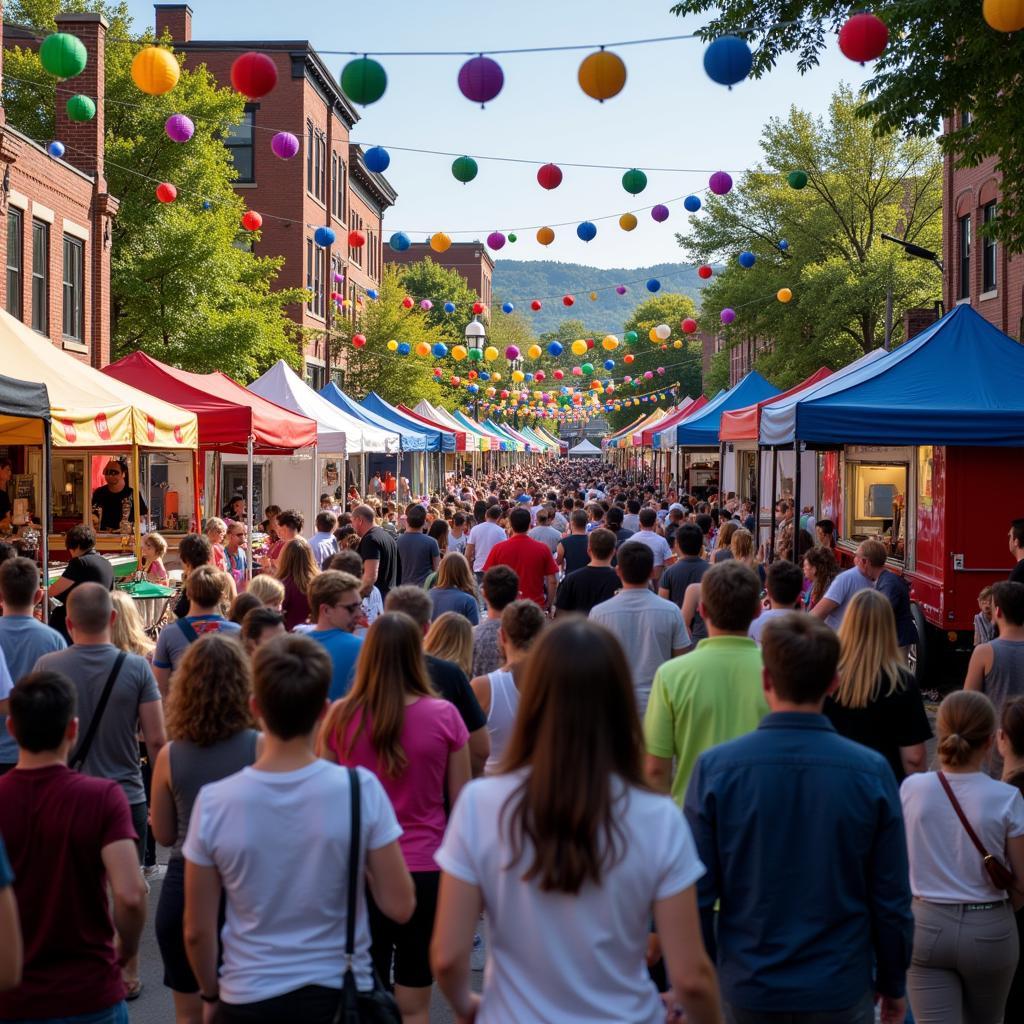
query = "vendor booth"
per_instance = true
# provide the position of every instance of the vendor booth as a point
(585, 450)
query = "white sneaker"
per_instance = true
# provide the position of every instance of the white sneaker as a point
(154, 872)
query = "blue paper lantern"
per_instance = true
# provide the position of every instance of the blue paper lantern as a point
(507, 307)
(439, 351)
(484, 375)
(728, 60)
(371, 293)
(449, 307)
(324, 237)
(555, 349)
(653, 285)
(747, 259)
(399, 241)
(691, 203)
(377, 159)
(783, 244)
(403, 348)
(55, 149)
(609, 364)
(472, 389)
(528, 378)
(586, 232)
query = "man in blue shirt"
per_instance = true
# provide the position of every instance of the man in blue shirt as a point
(335, 605)
(802, 834)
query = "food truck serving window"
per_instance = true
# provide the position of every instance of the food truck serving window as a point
(875, 493)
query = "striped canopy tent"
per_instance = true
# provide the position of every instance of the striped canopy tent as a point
(612, 440)
(464, 442)
(497, 442)
(475, 442)
(517, 443)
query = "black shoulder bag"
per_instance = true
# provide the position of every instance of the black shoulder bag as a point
(82, 750)
(377, 1006)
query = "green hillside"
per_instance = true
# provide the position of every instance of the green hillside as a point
(520, 282)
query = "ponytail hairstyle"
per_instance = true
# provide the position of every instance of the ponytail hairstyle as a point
(967, 719)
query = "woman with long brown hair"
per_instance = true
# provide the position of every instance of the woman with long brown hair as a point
(392, 723)
(455, 589)
(212, 736)
(569, 835)
(451, 637)
(820, 569)
(723, 542)
(296, 569)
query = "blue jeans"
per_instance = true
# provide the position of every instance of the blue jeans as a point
(116, 1014)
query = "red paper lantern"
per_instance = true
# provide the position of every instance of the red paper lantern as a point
(166, 192)
(359, 340)
(704, 271)
(251, 220)
(478, 308)
(407, 302)
(549, 176)
(590, 343)
(567, 300)
(863, 37)
(558, 374)
(253, 75)
(628, 357)
(356, 239)
(535, 305)
(689, 325)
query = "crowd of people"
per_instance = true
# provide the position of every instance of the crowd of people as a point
(702, 792)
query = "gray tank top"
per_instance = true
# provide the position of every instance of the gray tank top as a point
(193, 767)
(1005, 680)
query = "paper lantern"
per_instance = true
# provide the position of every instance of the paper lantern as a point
(512, 236)
(439, 351)
(422, 349)
(558, 374)
(747, 259)
(720, 183)
(602, 75)
(359, 340)
(440, 242)
(689, 325)
(81, 108)
(539, 376)
(627, 222)
(587, 368)
(407, 302)
(363, 80)
(663, 331)
(459, 352)
(55, 149)
(704, 271)
(549, 176)
(166, 192)
(284, 145)
(495, 241)
(63, 55)
(507, 307)
(155, 70)
(545, 236)
(621, 289)
(371, 293)
(251, 220)
(449, 307)
(555, 349)
(677, 343)
(863, 37)
(478, 308)
(518, 376)
(797, 179)
(609, 364)
(464, 169)
(1003, 15)
(577, 371)
(630, 337)
(609, 343)
(377, 159)
(659, 213)
(634, 181)
(403, 348)
(652, 336)
(481, 79)
(426, 305)
(324, 237)
(179, 128)
(567, 300)
(399, 241)
(653, 285)
(536, 305)
(253, 74)
(586, 232)
(628, 358)
(784, 295)
(475, 355)
(512, 353)
(490, 353)
(691, 204)
(783, 244)
(727, 315)
(356, 239)
(728, 60)
(392, 345)
(579, 347)
(533, 352)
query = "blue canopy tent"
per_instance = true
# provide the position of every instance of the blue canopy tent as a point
(437, 440)
(701, 430)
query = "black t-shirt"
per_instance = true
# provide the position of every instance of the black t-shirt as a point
(378, 545)
(586, 587)
(576, 555)
(91, 567)
(892, 721)
(110, 505)
(676, 578)
(622, 535)
(897, 591)
(1017, 573)
(451, 683)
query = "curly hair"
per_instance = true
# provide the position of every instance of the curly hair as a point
(210, 689)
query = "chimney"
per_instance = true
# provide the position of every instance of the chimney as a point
(175, 20)
(84, 139)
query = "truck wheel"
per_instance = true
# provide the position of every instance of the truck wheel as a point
(919, 651)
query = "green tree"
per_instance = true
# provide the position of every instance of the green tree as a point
(941, 57)
(185, 285)
(861, 183)
(429, 280)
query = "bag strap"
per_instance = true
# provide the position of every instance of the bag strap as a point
(186, 627)
(82, 751)
(963, 817)
(353, 867)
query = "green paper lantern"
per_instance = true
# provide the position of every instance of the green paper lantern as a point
(511, 237)
(634, 181)
(464, 169)
(63, 55)
(364, 80)
(587, 368)
(630, 337)
(81, 108)
(475, 355)
(797, 179)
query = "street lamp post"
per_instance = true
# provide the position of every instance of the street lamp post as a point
(917, 252)
(476, 338)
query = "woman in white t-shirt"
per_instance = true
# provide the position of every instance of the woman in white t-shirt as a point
(965, 938)
(570, 855)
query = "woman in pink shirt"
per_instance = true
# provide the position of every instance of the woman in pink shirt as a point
(392, 723)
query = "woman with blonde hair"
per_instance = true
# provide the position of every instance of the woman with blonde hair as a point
(877, 703)
(212, 736)
(723, 542)
(268, 589)
(742, 547)
(296, 569)
(455, 590)
(392, 723)
(128, 633)
(451, 637)
(965, 940)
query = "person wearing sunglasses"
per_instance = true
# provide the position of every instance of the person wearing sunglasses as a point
(336, 606)
(112, 497)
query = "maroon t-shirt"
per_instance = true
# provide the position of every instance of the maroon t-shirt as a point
(531, 561)
(55, 822)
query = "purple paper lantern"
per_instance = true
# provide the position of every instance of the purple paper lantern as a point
(338, 276)
(481, 79)
(659, 212)
(511, 353)
(495, 240)
(648, 374)
(284, 145)
(426, 304)
(720, 183)
(727, 315)
(179, 128)
(621, 289)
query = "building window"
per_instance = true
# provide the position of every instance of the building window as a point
(964, 291)
(74, 288)
(316, 162)
(965, 119)
(355, 253)
(41, 276)
(309, 156)
(316, 375)
(239, 141)
(988, 251)
(15, 258)
(340, 189)
(315, 259)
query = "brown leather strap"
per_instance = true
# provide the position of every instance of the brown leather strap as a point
(963, 818)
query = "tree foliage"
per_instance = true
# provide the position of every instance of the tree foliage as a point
(185, 285)
(429, 280)
(941, 58)
(861, 183)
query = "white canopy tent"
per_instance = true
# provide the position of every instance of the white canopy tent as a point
(585, 450)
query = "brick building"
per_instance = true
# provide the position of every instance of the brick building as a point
(470, 260)
(56, 247)
(327, 184)
(977, 269)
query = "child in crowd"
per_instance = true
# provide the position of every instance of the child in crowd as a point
(984, 623)
(154, 547)
(216, 531)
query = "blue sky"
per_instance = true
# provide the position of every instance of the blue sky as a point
(669, 115)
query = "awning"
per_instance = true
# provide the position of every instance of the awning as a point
(744, 424)
(459, 433)
(413, 440)
(556, 441)
(228, 414)
(24, 411)
(476, 441)
(611, 441)
(672, 416)
(515, 444)
(662, 438)
(438, 440)
(498, 442)
(701, 430)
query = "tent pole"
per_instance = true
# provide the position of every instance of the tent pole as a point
(316, 482)
(771, 506)
(137, 503)
(757, 499)
(196, 512)
(45, 520)
(796, 498)
(249, 483)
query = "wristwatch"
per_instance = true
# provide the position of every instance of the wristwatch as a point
(209, 999)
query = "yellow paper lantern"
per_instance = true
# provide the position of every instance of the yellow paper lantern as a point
(579, 348)
(627, 221)
(783, 295)
(459, 353)
(593, 296)
(496, 377)
(392, 345)
(602, 75)
(533, 352)
(518, 376)
(1004, 15)
(653, 337)
(155, 70)
(609, 343)
(422, 349)
(440, 242)
(490, 353)
(545, 236)
(677, 343)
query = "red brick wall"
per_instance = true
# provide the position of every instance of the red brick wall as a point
(469, 259)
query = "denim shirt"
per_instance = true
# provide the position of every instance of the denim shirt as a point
(802, 834)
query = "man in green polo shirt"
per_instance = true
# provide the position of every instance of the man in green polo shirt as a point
(712, 694)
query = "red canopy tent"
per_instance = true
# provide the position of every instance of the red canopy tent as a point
(744, 424)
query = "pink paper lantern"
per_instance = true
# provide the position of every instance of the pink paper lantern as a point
(511, 353)
(621, 289)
